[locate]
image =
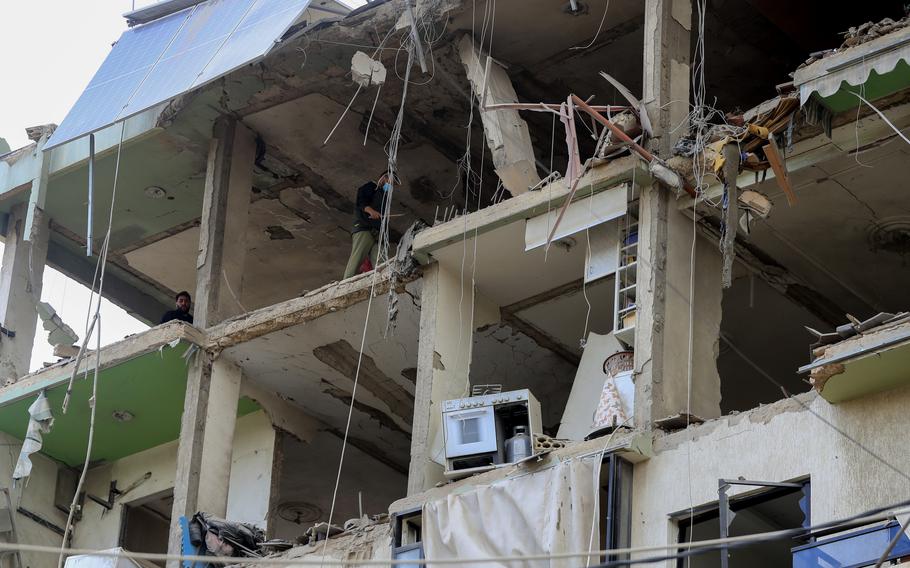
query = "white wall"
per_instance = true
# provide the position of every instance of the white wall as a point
(779, 442)
(251, 470)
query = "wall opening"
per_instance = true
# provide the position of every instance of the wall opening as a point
(763, 340)
(305, 486)
(146, 524)
(764, 510)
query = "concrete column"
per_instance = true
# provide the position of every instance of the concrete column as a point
(666, 237)
(443, 365)
(222, 234)
(213, 384)
(206, 442)
(20, 289)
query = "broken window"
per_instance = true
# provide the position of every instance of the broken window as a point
(146, 524)
(772, 507)
(847, 545)
(407, 541)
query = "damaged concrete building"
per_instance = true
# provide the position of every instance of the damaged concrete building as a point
(640, 284)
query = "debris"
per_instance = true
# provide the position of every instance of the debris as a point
(731, 213)
(855, 327)
(544, 444)
(322, 531)
(858, 35)
(678, 421)
(666, 176)
(220, 537)
(60, 335)
(35, 133)
(366, 71)
(636, 104)
(39, 422)
(755, 202)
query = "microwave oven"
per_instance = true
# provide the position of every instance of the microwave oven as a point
(476, 429)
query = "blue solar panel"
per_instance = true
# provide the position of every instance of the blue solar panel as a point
(160, 60)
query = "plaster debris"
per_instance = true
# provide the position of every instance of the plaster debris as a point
(35, 133)
(858, 35)
(39, 422)
(60, 336)
(366, 71)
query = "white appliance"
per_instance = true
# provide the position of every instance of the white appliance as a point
(477, 427)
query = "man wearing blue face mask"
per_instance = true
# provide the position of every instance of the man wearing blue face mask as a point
(371, 204)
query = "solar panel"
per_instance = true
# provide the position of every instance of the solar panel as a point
(162, 59)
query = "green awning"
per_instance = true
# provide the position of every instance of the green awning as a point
(874, 70)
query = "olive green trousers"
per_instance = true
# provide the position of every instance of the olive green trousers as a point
(363, 243)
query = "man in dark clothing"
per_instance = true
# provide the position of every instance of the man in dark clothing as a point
(182, 312)
(371, 203)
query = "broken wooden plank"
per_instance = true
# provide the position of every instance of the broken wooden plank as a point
(780, 172)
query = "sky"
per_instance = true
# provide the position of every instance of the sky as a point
(51, 50)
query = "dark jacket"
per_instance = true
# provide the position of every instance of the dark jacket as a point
(373, 196)
(177, 314)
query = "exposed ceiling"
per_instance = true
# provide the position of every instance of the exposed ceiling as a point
(313, 365)
(150, 388)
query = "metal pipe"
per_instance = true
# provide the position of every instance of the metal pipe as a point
(91, 194)
(623, 136)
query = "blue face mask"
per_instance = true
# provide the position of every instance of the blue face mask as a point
(386, 186)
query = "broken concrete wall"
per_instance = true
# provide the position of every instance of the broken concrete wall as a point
(779, 442)
(506, 132)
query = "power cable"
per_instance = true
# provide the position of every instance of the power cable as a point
(96, 321)
(866, 517)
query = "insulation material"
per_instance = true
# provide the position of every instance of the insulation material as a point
(550, 511)
(582, 214)
(39, 422)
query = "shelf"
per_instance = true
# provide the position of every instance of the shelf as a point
(625, 310)
(630, 265)
(629, 246)
(627, 288)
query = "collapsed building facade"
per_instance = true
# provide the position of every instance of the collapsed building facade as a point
(576, 217)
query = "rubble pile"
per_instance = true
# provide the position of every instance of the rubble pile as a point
(858, 35)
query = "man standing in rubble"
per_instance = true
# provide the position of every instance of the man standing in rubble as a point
(371, 203)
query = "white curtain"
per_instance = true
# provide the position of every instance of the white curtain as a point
(545, 512)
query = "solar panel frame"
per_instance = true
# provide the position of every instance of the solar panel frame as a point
(155, 62)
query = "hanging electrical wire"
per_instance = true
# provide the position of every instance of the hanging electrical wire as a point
(391, 150)
(96, 327)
